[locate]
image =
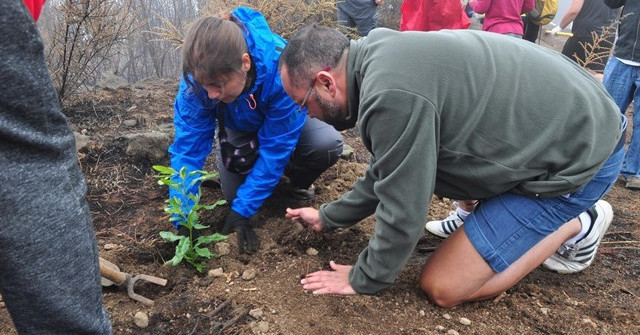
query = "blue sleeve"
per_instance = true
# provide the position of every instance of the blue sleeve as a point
(194, 125)
(278, 137)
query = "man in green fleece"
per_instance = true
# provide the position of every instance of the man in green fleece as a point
(459, 114)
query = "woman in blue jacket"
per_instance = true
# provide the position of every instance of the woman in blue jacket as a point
(231, 79)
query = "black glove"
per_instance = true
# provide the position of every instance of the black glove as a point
(247, 238)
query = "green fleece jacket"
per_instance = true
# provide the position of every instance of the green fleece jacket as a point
(465, 115)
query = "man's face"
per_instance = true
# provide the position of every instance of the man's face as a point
(325, 109)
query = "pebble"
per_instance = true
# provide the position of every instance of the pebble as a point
(141, 319)
(249, 274)
(440, 328)
(110, 246)
(452, 332)
(312, 252)
(216, 273)
(130, 123)
(260, 327)
(222, 248)
(446, 316)
(422, 313)
(465, 321)
(589, 322)
(256, 313)
(545, 310)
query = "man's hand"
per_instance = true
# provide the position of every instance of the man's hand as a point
(247, 239)
(334, 281)
(307, 216)
(555, 30)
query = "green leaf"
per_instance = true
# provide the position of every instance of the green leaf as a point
(203, 252)
(199, 266)
(183, 247)
(197, 225)
(217, 237)
(193, 217)
(164, 169)
(170, 236)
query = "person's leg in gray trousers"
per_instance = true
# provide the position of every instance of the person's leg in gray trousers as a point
(49, 275)
(318, 148)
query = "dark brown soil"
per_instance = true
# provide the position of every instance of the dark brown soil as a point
(127, 204)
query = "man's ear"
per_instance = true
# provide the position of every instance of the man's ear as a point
(326, 81)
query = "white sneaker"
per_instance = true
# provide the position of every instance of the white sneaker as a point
(444, 228)
(577, 257)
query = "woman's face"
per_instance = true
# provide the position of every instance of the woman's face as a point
(228, 87)
(225, 88)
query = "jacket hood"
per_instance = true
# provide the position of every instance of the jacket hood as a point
(260, 40)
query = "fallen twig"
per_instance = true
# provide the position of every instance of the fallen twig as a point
(219, 308)
(235, 319)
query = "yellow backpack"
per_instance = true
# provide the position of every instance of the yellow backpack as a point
(544, 12)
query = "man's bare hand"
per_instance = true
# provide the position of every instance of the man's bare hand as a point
(334, 281)
(307, 216)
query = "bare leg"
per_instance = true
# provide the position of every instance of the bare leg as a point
(472, 278)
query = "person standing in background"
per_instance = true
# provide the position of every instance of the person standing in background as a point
(433, 15)
(360, 14)
(588, 17)
(49, 275)
(622, 80)
(503, 16)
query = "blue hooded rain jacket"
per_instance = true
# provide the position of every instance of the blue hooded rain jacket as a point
(274, 118)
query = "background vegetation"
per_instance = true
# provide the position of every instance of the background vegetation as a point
(87, 40)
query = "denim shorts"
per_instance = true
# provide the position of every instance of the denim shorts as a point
(505, 227)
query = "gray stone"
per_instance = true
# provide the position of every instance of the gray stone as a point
(141, 319)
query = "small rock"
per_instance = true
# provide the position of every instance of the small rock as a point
(587, 321)
(84, 132)
(544, 310)
(110, 246)
(249, 274)
(260, 327)
(452, 332)
(465, 321)
(130, 123)
(82, 141)
(141, 319)
(256, 313)
(216, 273)
(440, 328)
(312, 252)
(422, 313)
(222, 248)
(446, 316)
(347, 152)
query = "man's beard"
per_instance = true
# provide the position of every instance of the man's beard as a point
(332, 114)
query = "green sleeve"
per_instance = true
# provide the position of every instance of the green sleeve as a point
(401, 130)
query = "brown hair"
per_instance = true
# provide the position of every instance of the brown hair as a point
(213, 47)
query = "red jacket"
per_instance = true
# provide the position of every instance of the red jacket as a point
(34, 7)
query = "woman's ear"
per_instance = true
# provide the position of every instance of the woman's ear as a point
(246, 62)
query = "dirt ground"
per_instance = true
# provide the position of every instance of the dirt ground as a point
(126, 205)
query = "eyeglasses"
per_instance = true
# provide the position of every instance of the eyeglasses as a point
(304, 101)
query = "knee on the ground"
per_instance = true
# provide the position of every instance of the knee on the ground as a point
(438, 293)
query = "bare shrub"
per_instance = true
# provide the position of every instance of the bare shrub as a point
(284, 16)
(597, 52)
(80, 36)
